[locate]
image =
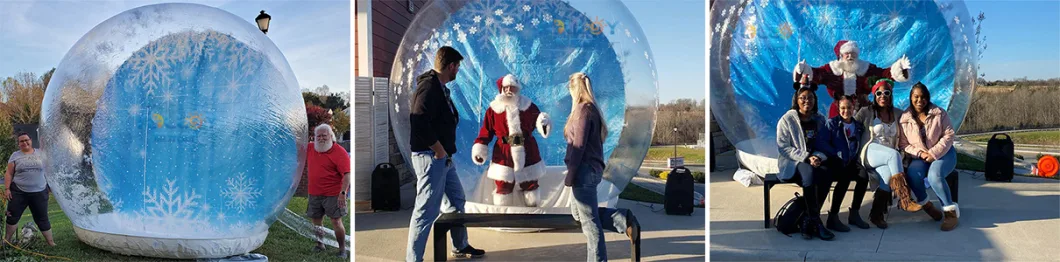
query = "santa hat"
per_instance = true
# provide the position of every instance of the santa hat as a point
(507, 80)
(881, 82)
(844, 46)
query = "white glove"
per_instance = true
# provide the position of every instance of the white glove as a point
(802, 68)
(903, 62)
(479, 152)
(544, 125)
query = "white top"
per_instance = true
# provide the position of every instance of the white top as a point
(883, 133)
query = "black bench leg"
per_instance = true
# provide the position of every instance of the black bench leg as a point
(440, 232)
(952, 180)
(765, 213)
(636, 249)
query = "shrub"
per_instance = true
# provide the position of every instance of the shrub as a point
(699, 177)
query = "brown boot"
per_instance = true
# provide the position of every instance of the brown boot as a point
(877, 215)
(951, 213)
(901, 189)
(930, 209)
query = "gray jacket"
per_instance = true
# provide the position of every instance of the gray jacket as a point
(791, 145)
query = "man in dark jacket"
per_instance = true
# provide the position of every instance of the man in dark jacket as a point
(433, 122)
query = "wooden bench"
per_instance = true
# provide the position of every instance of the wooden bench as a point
(449, 220)
(771, 180)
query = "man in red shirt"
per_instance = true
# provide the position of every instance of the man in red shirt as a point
(329, 182)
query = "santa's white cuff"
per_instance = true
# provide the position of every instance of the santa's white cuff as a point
(802, 69)
(544, 125)
(479, 152)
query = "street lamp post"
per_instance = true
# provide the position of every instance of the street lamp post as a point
(675, 141)
(263, 20)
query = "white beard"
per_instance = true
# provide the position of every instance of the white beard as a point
(323, 147)
(848, 67)
(508, 100)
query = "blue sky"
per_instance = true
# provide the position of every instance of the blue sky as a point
(675, 32)
(1023, 38)
(313, 35)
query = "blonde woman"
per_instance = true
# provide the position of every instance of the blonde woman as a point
(585, 133)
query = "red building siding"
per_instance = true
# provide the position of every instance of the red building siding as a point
(389, 21)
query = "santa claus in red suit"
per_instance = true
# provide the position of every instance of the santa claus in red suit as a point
(848, 75)
(512, 118)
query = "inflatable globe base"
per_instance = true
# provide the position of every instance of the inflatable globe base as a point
(175, 248)
(758, 155)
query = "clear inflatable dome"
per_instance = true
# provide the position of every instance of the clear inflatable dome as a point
(755, 45)
(541, 42)
(173, 130)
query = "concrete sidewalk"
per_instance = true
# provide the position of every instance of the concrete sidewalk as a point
(999, 221)
(383, 236)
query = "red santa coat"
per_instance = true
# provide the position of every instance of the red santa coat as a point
(857, 83)
(508, 163)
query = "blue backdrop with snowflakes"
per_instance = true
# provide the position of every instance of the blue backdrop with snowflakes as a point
(541, 42)
(756, 44)
(174, 130)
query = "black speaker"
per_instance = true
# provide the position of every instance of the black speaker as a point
(386, 188)
(999, 153)
(680, 191)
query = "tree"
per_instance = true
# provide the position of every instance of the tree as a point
(341, 122)
(322, 90)
(316, 116)
(8, 143)
(23, 95)
(311, 98)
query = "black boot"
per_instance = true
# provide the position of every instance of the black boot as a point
(823, 232)
(807, 228)
(880, 201)
(854, 218)
(835, 224)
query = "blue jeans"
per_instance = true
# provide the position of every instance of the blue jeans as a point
(594, 219)
(886, 161)
(936, 175)
(435, 178)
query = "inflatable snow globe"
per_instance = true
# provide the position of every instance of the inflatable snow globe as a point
(755, 46)
(174, 131)
(541, 44)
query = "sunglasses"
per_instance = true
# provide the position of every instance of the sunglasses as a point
(883, 93)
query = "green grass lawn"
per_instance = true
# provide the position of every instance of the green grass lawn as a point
(966, 162)
(692, 155)
(1033, 138)
(637, 193)
(282, 244)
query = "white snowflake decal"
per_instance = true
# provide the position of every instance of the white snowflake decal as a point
(498, 12)
(489, 21)
(477, 19)
(456, 27)
(519, 27)
(473, 30)
(628, 34)
(548, 17)
(526, 8)
(508, 20)
(462, 37)
(535, 21)
(240, 192)
(172, 206)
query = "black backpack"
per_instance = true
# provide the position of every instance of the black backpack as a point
(999, 153)
(680, 192)
(386, 188)
(789, 218)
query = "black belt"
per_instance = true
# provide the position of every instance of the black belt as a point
(514, 140)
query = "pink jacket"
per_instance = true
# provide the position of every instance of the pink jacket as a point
(939, 133)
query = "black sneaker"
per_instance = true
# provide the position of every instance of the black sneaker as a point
(469, 252)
